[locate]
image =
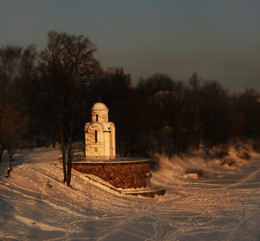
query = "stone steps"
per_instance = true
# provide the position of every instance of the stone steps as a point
(147, 192)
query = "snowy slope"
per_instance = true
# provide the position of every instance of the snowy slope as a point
(36, 205)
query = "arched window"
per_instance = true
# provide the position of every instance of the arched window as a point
(96, 140)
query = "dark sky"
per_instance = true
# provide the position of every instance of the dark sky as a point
(220, 40)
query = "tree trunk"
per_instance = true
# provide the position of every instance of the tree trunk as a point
(1, 153)
(63, 152)
(69, 164)
(173, 134)
(70, 138)
(61, 130)
(11, 163)
(64, 162)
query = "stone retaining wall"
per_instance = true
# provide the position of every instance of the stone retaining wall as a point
(120, 175)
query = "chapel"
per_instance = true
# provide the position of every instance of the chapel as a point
(125, 175)
(100, 141)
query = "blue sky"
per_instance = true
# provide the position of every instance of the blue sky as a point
(220, 40)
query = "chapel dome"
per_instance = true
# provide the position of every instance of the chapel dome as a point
(99, 107)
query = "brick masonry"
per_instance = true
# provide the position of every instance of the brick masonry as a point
(120, 175)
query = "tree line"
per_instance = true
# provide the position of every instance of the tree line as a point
(46, 98)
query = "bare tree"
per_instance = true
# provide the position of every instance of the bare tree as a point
(16, 68)
(65, 65)
(12, 128)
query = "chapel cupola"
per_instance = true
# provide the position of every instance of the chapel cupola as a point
(99, 112)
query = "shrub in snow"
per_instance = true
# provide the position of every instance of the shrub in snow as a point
(229, 162)
(199, 172)
(245, 155)
(155, 162)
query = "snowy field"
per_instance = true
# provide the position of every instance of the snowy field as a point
(36, 205)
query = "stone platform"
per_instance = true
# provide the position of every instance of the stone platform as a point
(129, 176)
(119, 172)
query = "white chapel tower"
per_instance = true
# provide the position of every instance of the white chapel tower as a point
(100, 141)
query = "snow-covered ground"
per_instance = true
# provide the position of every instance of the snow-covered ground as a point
(36, 205)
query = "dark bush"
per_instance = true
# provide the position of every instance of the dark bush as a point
(230, 162)
(245, 156)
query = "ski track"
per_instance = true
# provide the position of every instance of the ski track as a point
(36, 202)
